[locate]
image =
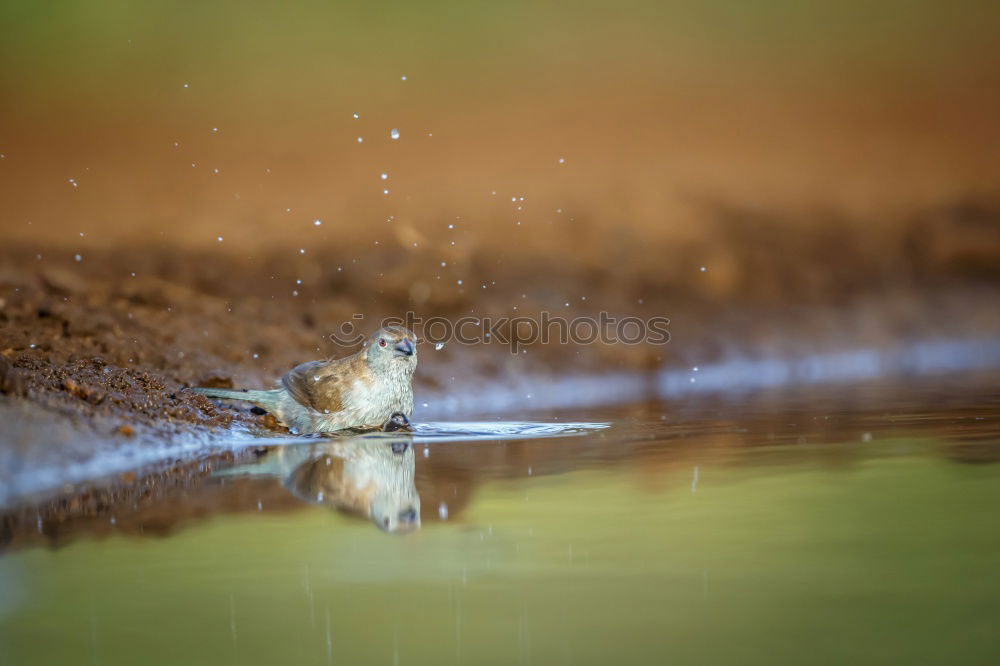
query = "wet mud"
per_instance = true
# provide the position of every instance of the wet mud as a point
(95, 353)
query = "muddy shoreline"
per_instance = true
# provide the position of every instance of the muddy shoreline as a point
(96, 347)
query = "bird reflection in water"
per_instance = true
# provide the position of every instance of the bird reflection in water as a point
(369, 476)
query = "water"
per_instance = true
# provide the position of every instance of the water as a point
(824, 527)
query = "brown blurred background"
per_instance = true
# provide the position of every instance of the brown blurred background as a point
(832, 166)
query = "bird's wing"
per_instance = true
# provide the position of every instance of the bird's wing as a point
(301, 382)
(321, 385)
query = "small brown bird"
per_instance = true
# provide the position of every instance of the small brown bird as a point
(363, 390)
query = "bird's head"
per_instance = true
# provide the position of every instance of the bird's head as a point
(392, 349)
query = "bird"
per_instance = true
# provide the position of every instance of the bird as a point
(362, 391)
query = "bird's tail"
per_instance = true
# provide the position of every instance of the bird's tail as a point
(265, 399)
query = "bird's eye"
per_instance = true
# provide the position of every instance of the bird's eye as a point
(381, 342)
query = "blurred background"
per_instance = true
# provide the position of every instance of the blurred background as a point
(217, 186)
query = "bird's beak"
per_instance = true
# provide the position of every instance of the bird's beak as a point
(404, 348)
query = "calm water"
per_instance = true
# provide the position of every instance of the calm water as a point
(857, 527)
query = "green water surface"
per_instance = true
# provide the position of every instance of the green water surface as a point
(600, 549)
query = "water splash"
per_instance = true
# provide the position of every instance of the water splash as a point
(459, 431)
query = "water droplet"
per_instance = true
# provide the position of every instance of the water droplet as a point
(394, 134)
(360, 139)
(219, 239)
(384, 176)
(78, 257)
(385, 191)
(356, 116)
(562, 160)
(403, 77)
(302, 250)
(460, 282)
(315, 222)
(443, 511)
(703, 269)
(439, 346)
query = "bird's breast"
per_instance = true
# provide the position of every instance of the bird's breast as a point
(379, 399)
